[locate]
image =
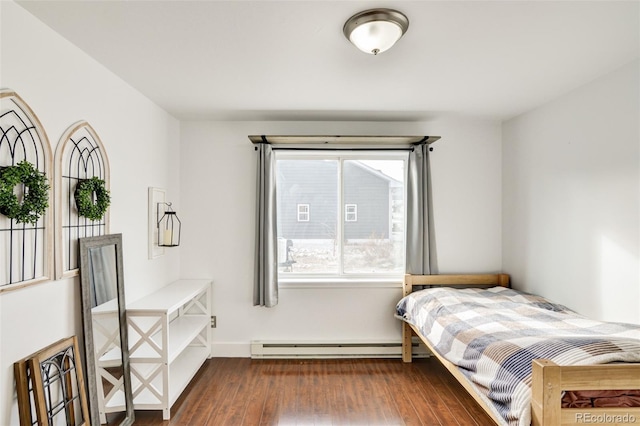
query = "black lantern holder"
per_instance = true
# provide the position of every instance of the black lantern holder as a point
(169, 227)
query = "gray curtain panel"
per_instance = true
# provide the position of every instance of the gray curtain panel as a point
(421, 254)
(265, 289)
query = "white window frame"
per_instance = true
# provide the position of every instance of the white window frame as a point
(291, 279)
(354, 212)
(302, 212)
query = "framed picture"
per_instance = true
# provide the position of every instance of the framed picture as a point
(50, 384)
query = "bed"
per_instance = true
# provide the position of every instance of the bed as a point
(519, 355)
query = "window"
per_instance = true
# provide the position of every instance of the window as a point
(350, 212)
(358, 222)
(303, 212)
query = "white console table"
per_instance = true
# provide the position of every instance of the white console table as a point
(169, 340)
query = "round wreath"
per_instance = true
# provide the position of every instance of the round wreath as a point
(36, 192)
(84, 196)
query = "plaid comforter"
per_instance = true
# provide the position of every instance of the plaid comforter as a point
(493, 334)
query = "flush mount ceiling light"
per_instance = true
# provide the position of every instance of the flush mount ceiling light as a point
(375, 30)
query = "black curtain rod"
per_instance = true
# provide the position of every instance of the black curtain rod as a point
(342, 149)
(334, 148)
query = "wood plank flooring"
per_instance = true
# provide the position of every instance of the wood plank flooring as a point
(245, 392)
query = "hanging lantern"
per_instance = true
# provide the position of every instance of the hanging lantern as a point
(168, 227)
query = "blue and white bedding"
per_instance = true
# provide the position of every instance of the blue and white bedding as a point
(493, 334)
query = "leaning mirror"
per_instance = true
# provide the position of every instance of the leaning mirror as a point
(105, 330)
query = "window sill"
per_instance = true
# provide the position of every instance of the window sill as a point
(315, 283)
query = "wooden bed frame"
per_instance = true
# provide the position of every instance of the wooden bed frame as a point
(548, 379)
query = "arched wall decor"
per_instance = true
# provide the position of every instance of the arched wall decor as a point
(26, 249)
(80, 155)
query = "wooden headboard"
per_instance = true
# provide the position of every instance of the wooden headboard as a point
(443, 280)
(454, 280)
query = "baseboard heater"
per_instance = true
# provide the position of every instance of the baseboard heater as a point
(319, 350)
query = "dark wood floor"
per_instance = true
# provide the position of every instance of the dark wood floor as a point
(241, 391)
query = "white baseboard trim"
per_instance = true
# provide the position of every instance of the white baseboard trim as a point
(243, 350)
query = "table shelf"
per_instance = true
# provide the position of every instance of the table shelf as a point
(169, 340)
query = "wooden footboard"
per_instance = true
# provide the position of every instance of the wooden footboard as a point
(548, 379)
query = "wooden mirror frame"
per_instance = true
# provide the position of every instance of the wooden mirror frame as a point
(86, 244)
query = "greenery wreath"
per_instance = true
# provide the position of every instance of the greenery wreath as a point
(36, 192)
(84, 196)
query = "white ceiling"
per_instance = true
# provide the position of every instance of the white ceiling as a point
(288, 60)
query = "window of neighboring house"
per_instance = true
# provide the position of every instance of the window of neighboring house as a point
(303, 212)
(338, 240)
(351, 213)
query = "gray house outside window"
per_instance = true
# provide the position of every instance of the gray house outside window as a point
(314, 183)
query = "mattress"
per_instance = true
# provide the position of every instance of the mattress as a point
(492, 335)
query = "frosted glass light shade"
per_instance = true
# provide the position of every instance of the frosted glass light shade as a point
(376, 30)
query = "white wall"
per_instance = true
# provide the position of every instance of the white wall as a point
(570, 198)
(218, 191)
(63, 85)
